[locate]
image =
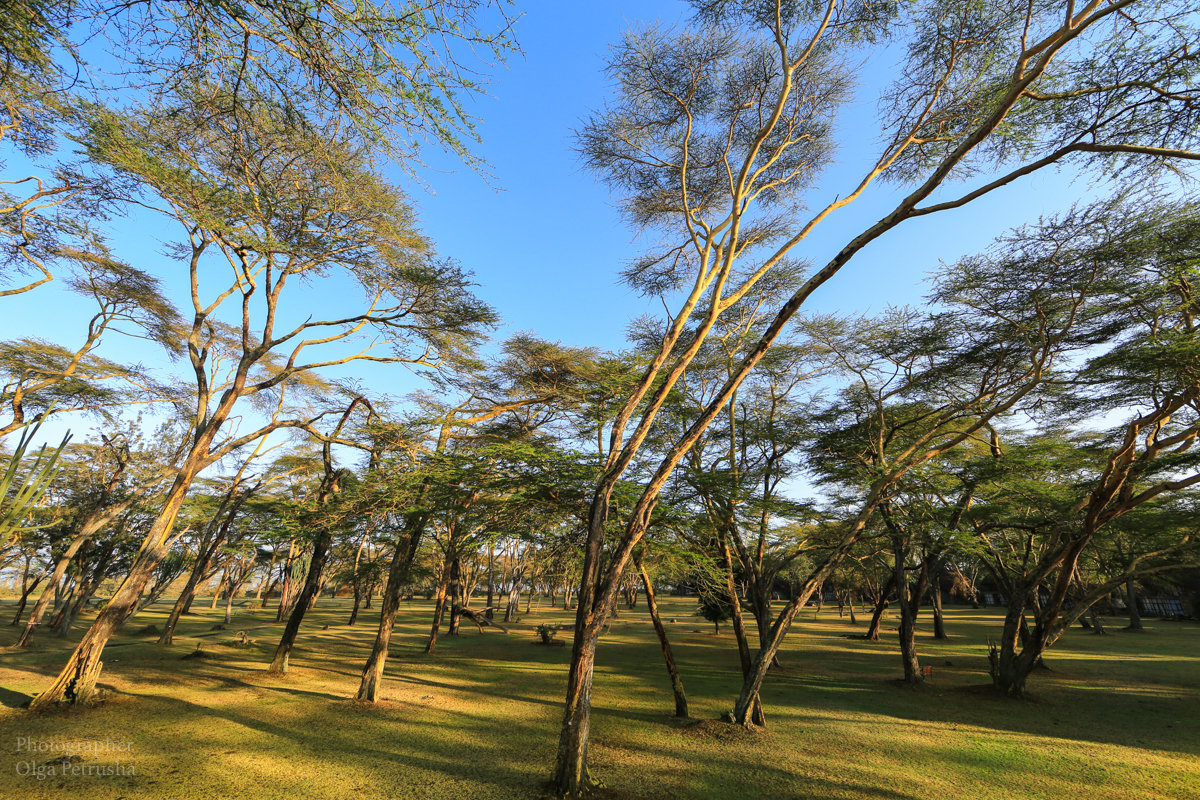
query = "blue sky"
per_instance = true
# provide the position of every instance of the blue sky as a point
(543, 236)
(546, 243)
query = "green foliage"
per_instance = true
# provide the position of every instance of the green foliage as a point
(23, 483)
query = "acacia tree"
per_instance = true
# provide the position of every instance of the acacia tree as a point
(719, 127)
(326, 515)
(1146, 376)
(101, 484)
(531, 375)
(392, 73)
(38, 377)
(271, 200)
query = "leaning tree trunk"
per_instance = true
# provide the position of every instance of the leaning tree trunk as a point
(183, 603)
(39, 608)
(440, 605)
(312, 583)
(739, 628)
(681, 705)
(402, 558)
(27, 588)
(357, 603)
(76, 682)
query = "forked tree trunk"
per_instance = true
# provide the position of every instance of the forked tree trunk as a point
(1007, 667)
(681, 705)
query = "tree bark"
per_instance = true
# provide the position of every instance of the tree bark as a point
(39, 608)
(935, 597)
(455, 591)
(440, 604)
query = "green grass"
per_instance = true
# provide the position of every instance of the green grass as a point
(1115, 718)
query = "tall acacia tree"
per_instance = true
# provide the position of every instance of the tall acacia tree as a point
(266, 201)
(718, 128)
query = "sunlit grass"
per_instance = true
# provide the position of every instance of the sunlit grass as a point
(1114, 718)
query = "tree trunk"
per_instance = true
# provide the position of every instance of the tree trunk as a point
(455, 593)
(77, 680)
(681, 705)
(312, 584)
(184, 602)
(39, 608)
(491, 576)
(440, 605)
(27, 588)
(357, 604)
(739, 628)
(908, 649)
(216, 595)
(1135, 613)
(87, 589)
(935, 597)
(286, 589)
(398, 571)
(1008, 673)
(880, 606)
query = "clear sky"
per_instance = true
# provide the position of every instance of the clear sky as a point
(543, 236)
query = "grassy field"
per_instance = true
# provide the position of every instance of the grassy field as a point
(1117, 717)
